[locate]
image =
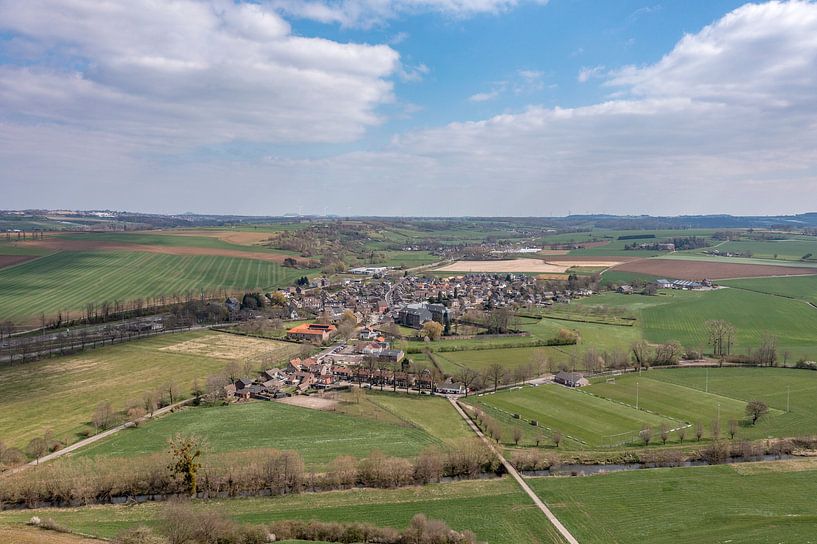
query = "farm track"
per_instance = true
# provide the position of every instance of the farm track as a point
(516, 476)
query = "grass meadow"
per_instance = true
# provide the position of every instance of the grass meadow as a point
(61, 393)
(496, 510)
(67, 281)
(319, 436)
(740, 504)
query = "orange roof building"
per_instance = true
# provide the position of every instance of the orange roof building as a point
(312, 332)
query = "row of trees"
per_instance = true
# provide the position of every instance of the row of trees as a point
(188, 468)
(181, 523)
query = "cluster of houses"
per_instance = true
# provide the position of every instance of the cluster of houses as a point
(367, 363)
(470, 291)
(684, 284)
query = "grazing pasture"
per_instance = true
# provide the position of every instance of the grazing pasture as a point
(319, 436)
(755, 502)
(786, 250)
(496, 510)
(61, 393)
(69, 280)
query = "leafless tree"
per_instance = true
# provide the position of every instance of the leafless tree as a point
(646, 435)
(721, 336)
(517, 435)
(699, 431)
(664, 433)
(103, 415)
(557, 438)
(467, 377)
(495, 374)
(733, 428)
(682, 432)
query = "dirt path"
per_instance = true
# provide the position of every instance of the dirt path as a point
(513, 472)
(92, 439)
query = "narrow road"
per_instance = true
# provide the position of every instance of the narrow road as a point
(513, 472)
(91, 439)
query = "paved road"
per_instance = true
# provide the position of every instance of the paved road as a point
(90, 440)
(513, 472)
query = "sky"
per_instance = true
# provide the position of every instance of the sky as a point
(409, 107)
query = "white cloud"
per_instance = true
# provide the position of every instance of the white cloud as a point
(586, 73)
(184, 73)
(413, 73)
(483, 97)
(725, 122)
(367, 13)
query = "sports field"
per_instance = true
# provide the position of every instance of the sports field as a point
(585, 421)
(496, 510)
(61, 393)
(69, 280)
(748, 503)
(318, 436)
(780, 388)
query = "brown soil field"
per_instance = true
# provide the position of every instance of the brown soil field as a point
(311, 401)
(698, 270)
(549, 252)
(11, 260)
(552, 276)
(59, 244)
(32, 535)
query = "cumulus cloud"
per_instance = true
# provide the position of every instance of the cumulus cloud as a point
(586, 73)
(187, 72)
(367, 13)
(724, 122)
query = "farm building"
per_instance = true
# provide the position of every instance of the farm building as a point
(312, 332)
(450, 387)
(571, 379)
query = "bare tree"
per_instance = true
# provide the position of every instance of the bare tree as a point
(716, 429)
(766, 354)
(646, 435)
(699, 431)
(641, 353)
(682, 432)
(664, 433)
(149, 401)
(467, 376)
(517, 435)
(557, 438)
(756, 409)
(103, 415)
(733, 428)
(37, 447)
(721, 337)
(495, 374)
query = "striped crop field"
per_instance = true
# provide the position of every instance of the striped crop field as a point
(67, 281)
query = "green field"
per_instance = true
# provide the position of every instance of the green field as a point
(677, 401)
(69, 280)
(317, 435)
(433, 415)
(778, 387)
(585, 421)
(496, 510)
(682, 316)
(742, 504)
(785, 250)
(800, 287)
(61, 393)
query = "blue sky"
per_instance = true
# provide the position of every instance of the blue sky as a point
(445, 107)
